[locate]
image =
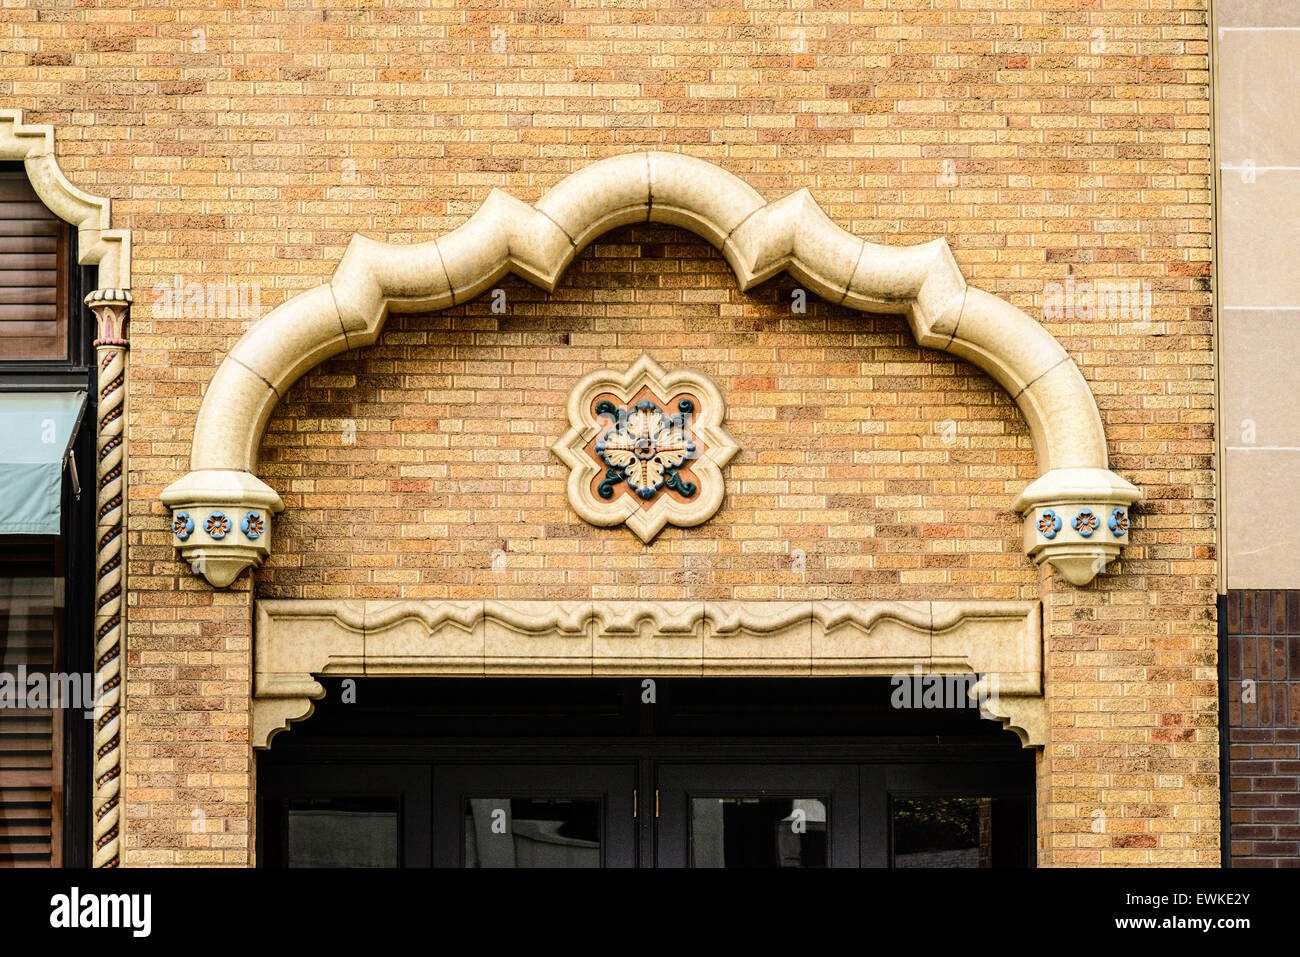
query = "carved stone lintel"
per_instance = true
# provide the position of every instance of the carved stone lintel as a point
(298, 640)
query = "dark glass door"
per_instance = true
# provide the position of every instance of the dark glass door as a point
(748, 816)
(345, 816)
(755, 816)
(530, 816)
(737, 773)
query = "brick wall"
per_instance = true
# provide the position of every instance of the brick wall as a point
(869, 468)
(1263, 696)
(247, 145)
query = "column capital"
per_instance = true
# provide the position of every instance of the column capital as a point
(111, 308)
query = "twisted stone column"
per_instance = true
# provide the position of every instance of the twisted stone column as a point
(110, 308)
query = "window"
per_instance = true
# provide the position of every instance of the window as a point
(46, 580)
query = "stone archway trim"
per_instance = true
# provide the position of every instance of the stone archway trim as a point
(298, 640)
(757, 238)
(97, 244)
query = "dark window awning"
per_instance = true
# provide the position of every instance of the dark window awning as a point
(36, 434)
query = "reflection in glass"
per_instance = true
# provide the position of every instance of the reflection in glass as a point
(31, 625)
(343, 832)
(514, 832)
(758, 832)
(959, 832)
(940, 832)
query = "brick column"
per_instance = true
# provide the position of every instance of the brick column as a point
(1263, 696)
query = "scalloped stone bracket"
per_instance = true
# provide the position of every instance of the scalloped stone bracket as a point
(1076, 520)
(97, 244)
(221, 522)
(627, 438)
(758, 239)
(298, 641)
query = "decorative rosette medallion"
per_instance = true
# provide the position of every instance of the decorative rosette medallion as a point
(646, 448)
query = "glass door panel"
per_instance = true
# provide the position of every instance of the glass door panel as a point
(954, 816)
(343, 831)
(757, 817)
(534, 816)
(533, 832)
(756, 832)
(344, 816)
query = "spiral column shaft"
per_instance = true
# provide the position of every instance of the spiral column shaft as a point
(111, 308)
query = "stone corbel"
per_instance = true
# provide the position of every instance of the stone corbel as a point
(973, 637)
(221, 521)
(1076, 520)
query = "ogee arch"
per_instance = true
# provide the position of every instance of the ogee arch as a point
(1075, 512)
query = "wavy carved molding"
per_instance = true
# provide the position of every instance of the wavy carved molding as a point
(97, 244)
(757, 238)
(298, 640)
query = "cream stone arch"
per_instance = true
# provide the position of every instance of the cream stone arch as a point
(97, 245)
(1076, 512)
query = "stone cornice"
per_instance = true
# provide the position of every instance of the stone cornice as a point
(298, 640)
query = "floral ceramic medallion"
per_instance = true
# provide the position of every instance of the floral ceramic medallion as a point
(646, 448)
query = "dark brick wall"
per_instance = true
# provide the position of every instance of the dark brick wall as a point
(1263, 696)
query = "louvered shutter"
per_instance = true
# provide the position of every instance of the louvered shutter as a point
(33, 274)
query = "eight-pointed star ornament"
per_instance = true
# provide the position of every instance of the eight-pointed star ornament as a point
(646, 448)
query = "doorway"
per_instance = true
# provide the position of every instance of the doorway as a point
(670, 772)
